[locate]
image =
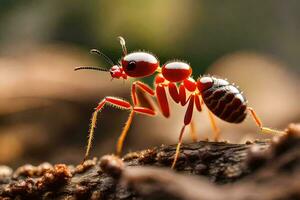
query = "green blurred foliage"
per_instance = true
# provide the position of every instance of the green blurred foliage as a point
(196, 31)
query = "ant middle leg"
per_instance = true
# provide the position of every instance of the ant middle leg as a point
(187, 121)
(123, 135)
(136, 109)
(180, 97)
(177, 94)
(259, 123)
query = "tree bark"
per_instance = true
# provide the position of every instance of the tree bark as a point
(205, 170)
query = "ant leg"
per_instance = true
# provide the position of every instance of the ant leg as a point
(124, 133)
(122, 104)
(214, 126)
(136, 109)
(177, 98)
(141, 110)
(198, 103)
(193, 131)
(144, 88)
(119, 103)
(187, 121)
(182, 94)
(178, 95)
(162, 100)
(162, 97)
(216, 130)
(259, 123)
(255, 117)
(178, 147)
(173, 91)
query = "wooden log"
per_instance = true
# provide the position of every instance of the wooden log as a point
(205, 170)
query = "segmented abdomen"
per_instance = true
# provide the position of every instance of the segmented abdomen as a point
(225, 101)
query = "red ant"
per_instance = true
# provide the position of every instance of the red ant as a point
(222, 98)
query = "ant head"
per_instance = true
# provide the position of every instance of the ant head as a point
(117, 72)
(136, 64)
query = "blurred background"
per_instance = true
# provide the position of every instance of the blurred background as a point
(45, 106)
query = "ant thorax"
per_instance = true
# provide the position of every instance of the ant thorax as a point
(176, 71)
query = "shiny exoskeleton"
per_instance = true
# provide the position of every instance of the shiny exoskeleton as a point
(222, 99)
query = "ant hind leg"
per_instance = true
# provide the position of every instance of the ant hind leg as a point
(259, 123)
(193, 131)
(214, 126)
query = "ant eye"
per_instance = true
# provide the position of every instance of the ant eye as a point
(131, 66)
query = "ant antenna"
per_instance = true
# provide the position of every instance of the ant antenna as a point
(107, 59)
(123, 44)
(91, 68)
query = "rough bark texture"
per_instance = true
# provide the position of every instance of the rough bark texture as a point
(205, 170)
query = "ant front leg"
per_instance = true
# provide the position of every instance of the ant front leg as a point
(259, 123)
(119, 103)
(136, 109)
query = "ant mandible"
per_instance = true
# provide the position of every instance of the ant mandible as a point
(222, 98)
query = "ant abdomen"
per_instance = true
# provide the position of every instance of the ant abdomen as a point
(223, 99)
